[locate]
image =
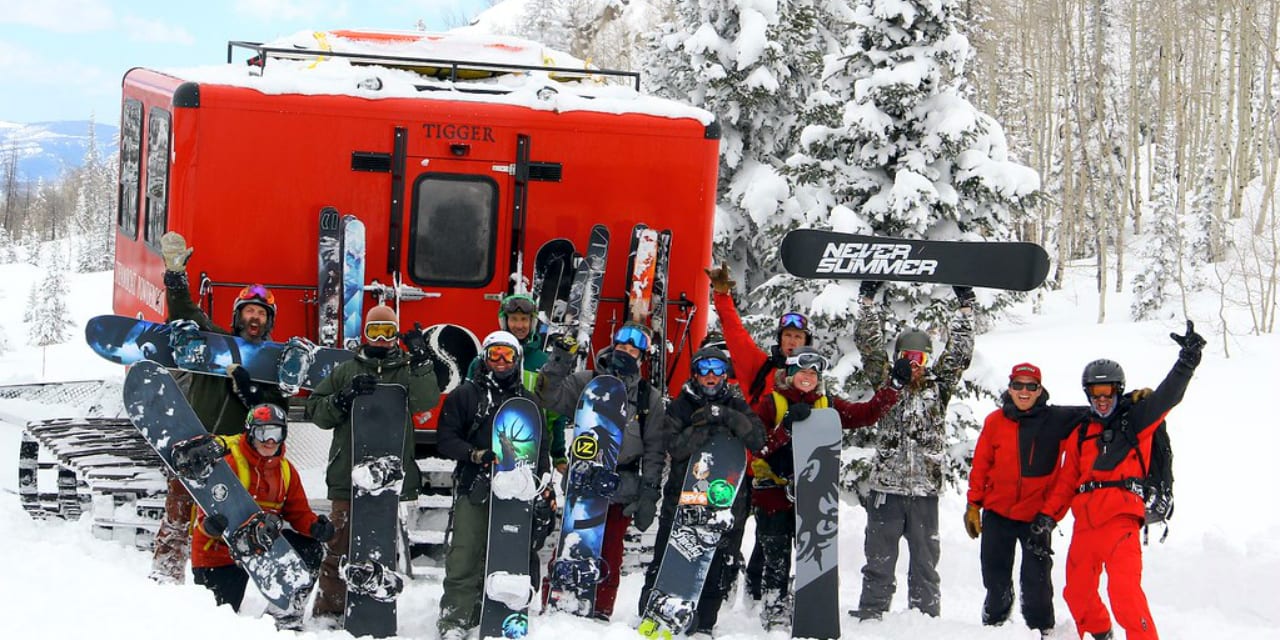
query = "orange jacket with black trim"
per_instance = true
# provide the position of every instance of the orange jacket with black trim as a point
(274, 484)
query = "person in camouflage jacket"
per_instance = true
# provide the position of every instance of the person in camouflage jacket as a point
(910, 452)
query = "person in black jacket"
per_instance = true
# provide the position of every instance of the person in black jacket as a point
(465, 434)
(707, 403)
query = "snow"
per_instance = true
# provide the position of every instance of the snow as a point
(1213, 578)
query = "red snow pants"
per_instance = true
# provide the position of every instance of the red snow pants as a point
(1116, 547)
(611, 554)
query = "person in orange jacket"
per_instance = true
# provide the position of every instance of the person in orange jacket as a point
(1014, 465)
(1101, 481)
(257, 457)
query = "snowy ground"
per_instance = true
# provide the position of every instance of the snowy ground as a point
(1215, 577)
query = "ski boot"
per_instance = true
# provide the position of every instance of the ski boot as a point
(295, 360)
(256, 536)
(376, 474)
(371, 579)
(190, 347)
(194, 458)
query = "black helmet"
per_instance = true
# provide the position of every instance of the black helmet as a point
(713, 339)
(913, 340)
(254, 294)
(795, 320)
(264, 421)
(711, 360)
(1103, 372)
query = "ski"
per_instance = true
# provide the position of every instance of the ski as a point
(591, 480)
(641, 260)
(658, 316)
(352, 281)
(508, 589)
(584, 295)
(815, 447)
(818, 253)
(329, 279)
(377, 442)
(703, 514)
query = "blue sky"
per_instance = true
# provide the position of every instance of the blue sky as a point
(63, 59)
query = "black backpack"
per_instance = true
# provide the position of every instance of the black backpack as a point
(1157, 479)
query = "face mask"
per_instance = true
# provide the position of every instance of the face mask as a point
(623, 364)
(376, 352)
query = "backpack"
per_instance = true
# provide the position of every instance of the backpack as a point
(1156, 483)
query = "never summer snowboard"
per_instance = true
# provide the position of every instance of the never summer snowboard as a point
(162, 415)
(815, 447)
(329, 278)
(592, 479)
(352, 281)
(704, 513)
(517, 436)
(817, 253)
(125, 340)
(377, 473)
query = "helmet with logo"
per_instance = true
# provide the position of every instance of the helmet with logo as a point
(254, 294)
(266, 422)
(1103, 371)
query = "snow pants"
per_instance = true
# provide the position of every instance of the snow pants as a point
(228, 582)
(1000, 536)
(889, 519)
(331, 599)
(464, 565)
(1114, 546)
(615, 529)
(173, 539)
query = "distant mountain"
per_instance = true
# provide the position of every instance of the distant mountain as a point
(47, 149)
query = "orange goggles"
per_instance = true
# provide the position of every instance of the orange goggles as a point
(500, 353)
(256, 293)
(1095, 391)
(914, 357)
(381, 330)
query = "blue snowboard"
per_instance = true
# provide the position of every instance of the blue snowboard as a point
(597, 441)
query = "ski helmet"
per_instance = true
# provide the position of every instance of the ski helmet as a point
(381, 325)
(254, 294)
(795, 320)
(265, 422)
(1103, 371)
(913, 340)
(636, 335)
(714, 339)
(504, 346)
(709, 360)
(806, 358)
(518, 303)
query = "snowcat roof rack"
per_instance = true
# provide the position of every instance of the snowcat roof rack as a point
(452, 70)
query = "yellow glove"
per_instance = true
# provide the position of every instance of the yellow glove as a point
(762, 471)
(720, 280)
(1138, 395)
(973, 521)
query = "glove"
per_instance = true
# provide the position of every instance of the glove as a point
(1192, 343)
(798, 412)
(973, 521)
(900, 375)
(709, 416)
(868, 288)
(215, 525)
(738, 423)
(721, 282)
(243, 386)
(1039, 543)
(964, 296)
(1138, 395)
(563, 343)
(174, 250)
(362, 384)
(645, 508)
(483, 457)
(322, 529)
(415, 342)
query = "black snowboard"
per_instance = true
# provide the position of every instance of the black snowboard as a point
(329, 278)
(815, 447)
(158, 409)
(517, 436)
(552, 278)
(819, 253)
(377, 442)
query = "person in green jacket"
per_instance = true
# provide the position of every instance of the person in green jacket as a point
(379, 359)
(222, 404)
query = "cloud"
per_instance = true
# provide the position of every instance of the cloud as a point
(286, 10)
(62, 16)
(155, 31)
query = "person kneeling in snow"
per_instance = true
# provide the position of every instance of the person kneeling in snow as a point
(257, 458)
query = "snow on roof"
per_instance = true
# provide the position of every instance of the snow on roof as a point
(311, 74)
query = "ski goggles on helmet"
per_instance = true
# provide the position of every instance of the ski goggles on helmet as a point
(711, 367)
(500, 353)
(1106, 390)
(793, 320)
(914, 357)
(256, 293)
(634, 336)
(518, 304)
(812, 361)
(381, 330)
(267, 433)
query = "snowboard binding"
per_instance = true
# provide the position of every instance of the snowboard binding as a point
(194, 458)
(593, 480)
(704, 518)
(577, 574)
(256, 536)
(374, 474)
(511, 589)
(190, 347)
(371, 579)
(674, 615)
(295, 360)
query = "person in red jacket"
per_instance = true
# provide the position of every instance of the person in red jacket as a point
(1014, 465)
(257, 458)
(1101, 480)
(797, 390)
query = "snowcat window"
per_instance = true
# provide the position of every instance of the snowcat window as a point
(130, 167)
(157, 217)
(454, 230)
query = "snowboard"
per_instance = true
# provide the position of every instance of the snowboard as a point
(584, 295)
(453, 347)
(552, 279)
(377, 473)
(820, 253)
(517, 436)
(329, 278)
(815, 448)
(352, 281)
(591, 480)
(159, 411)
(703, 514)
(125, 340)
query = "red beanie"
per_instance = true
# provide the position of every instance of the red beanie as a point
(1025, 369)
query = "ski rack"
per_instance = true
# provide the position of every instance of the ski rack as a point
(265, 52)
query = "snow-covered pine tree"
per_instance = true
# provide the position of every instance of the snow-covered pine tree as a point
(94, 219)
(50, 319)
(897, 149)
(1161, 245)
